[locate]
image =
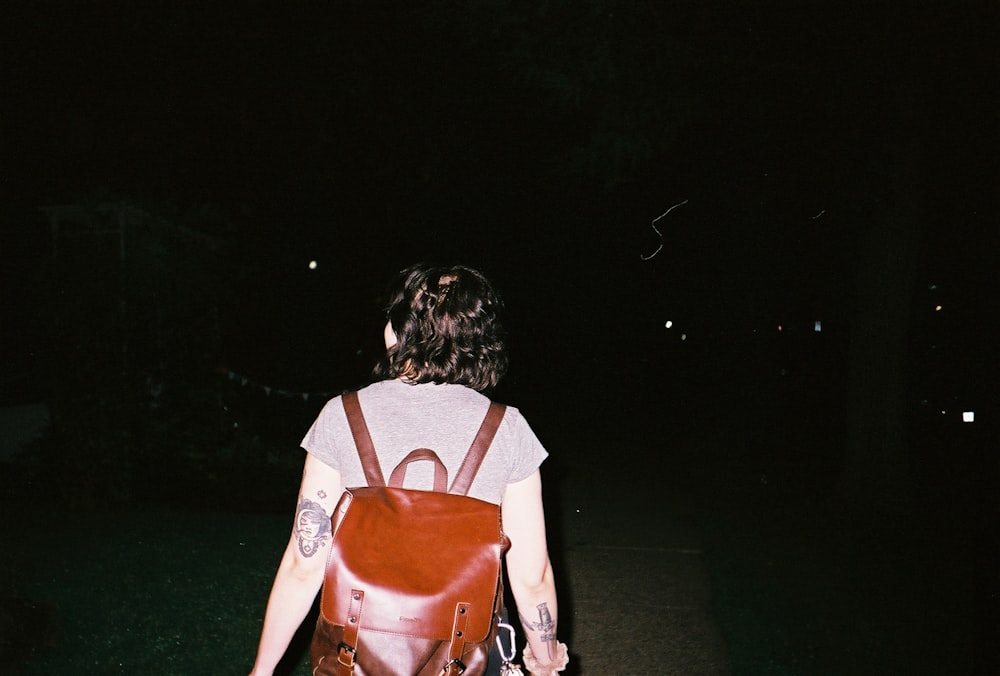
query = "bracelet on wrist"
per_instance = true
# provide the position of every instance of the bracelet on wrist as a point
(538, 668)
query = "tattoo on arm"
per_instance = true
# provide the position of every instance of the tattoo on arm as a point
(545, 624)
(312, 527)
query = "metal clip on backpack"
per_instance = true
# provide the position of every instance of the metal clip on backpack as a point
(412, 584)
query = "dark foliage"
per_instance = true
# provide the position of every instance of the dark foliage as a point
(134, 354)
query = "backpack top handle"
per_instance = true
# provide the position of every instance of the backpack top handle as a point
(466, 472)
(440, 471)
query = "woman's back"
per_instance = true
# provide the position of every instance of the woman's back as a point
(402, 417)
(444, 345)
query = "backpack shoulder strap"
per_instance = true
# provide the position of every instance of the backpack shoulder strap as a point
(363, 439)
(481, 444)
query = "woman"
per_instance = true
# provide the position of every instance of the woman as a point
(443, 348)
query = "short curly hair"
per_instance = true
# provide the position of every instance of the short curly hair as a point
(446, 321)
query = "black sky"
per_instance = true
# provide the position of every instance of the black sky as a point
(235, 98)
(536, 141)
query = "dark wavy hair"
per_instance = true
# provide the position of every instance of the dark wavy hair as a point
(447, 328)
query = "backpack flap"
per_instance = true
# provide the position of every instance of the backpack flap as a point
(432, 551)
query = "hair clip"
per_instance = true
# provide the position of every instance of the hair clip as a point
(444, 285)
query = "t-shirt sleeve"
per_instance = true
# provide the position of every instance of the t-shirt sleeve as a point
(526, 451)
(318, 441)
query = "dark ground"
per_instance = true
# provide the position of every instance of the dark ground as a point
(718, 559)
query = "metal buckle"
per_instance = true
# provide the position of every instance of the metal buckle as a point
(459, 664)
(350, 652)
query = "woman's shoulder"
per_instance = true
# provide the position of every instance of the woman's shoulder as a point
(401, 391)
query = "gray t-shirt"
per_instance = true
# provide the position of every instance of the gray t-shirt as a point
(444, 418)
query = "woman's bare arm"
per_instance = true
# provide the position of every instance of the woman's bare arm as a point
(529, 569)
(300, 574)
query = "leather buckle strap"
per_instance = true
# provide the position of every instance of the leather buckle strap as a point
(347, 650)
(458, 640)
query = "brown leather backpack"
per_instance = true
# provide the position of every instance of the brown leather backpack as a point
(412, 584)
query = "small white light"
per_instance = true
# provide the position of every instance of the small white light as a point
(313, 265)
(968, 416)
(668, 324)
(937, 308)
(684, 336)
(817, 327)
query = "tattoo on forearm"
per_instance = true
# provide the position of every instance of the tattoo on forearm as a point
(312, 527)
(545, 623)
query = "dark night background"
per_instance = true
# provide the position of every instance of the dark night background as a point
(169, 173)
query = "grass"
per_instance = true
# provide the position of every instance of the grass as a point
(145, 591)
(796, 590)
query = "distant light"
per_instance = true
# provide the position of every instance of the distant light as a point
(968, 416)
(937, 308)
(668, 324)
(932, 286)
(779, 327)
(818, 326)
(684, 336)
(313, 265)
